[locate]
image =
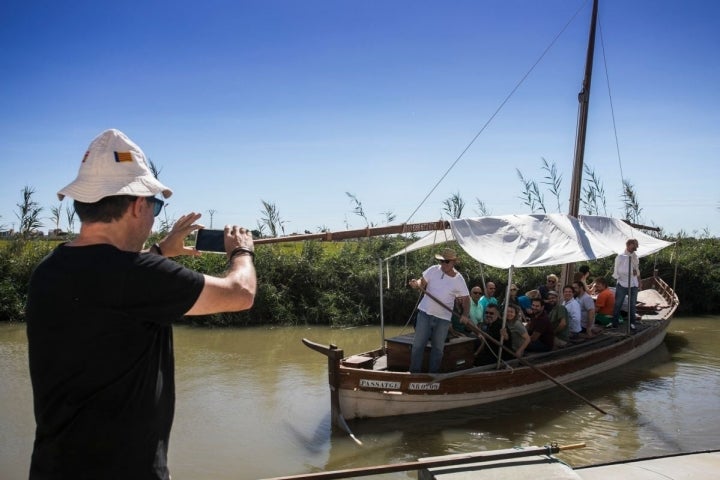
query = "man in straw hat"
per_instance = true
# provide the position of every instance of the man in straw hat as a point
(99, 316)
(445, 284)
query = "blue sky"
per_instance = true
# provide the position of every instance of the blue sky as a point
(298, 102)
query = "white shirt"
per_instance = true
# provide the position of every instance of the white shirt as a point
(586, 304)
(620, 272)
(573, 308)
(443, 287)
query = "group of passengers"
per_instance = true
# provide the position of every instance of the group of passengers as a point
(538, 321)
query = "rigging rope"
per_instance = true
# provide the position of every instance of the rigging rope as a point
(612, 109)
(497, 111)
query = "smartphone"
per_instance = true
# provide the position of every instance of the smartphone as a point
(210, 240)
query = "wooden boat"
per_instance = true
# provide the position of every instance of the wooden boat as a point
(377, 383)
(364, 386)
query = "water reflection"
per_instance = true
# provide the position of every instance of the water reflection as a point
(254, 403)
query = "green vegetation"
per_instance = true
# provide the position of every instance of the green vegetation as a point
(18, 259)
(337, 283)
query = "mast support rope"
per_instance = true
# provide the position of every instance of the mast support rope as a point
(496, 112)
(612, 109)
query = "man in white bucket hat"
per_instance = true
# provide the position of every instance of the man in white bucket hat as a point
(99, 321)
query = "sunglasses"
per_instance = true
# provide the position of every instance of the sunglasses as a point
(157, 205)
(446, 261)
(476, 293)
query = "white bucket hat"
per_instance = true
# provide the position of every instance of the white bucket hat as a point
(113, 165)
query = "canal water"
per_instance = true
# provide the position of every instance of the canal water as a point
(254, 403)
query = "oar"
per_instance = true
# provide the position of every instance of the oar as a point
(490, 456)
(524, 362)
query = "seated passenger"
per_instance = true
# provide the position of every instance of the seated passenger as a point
(604, 303)
(573, 308)
(519, 338)
(587, 308)
(550, 284)
(492, 326)
(559, 320)
(530, 294)
(476, 309)
(583, 275)
(539, 328)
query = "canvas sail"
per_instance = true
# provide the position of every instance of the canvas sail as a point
(539, 240)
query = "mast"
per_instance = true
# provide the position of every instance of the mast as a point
(584, 102)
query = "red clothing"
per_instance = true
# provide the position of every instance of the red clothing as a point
(605, 302)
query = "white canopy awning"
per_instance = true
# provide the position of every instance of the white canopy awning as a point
(539, 240)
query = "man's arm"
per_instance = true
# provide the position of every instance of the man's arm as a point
(521, 350)
(236, 290)
(561, 324)
(466, 305)
(616, 268)
(636, 267)
(591, 313)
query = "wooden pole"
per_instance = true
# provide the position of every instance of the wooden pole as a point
(521, 360)
(360, 233)
(476, 457)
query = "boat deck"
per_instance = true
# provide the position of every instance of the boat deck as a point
(651, 304)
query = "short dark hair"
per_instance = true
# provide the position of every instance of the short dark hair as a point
(104, 210)
(601, 281)
(584, 269)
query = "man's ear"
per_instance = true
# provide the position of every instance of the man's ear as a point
(137, 208)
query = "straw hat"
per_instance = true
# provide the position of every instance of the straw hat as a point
(113, 165)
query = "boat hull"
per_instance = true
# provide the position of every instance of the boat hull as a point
(368, 393)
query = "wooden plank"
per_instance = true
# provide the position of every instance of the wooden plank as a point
(434, 462)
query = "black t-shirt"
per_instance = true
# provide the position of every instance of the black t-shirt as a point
(489, 353)
(101, 361)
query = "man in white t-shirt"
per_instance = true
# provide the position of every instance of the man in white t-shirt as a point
(627, 274)
(445, 284)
